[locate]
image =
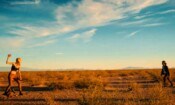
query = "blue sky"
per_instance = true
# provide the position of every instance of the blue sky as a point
(88, 34)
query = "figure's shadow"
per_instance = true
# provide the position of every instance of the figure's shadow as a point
(27, 88)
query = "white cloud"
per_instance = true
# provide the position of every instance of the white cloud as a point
(140, 17)
(153, 24)
(168, 11)
(74, 37)
(137, 22)
(151, 14)
(80, 15)
(145, 15)
(149, 22)
(133, 34)
(96, 13)
(88, 35)
(31, 31)
(27, 2)
(87, 13)
(59, 53)
(11, 42)
(42, 44)
(138, 5)
(85, 36)
(45, 29)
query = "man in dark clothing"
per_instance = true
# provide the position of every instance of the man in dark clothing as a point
(165, 72)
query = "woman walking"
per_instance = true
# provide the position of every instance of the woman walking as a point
(14, 74)
(165, 72)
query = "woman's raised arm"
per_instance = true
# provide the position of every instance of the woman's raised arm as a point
(7, 61)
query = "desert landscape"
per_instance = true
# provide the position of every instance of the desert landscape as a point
(87, 52)
(97, 87)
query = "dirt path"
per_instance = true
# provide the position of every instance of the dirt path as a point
(128, 81)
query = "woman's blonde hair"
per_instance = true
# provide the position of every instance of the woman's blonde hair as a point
(18, 60)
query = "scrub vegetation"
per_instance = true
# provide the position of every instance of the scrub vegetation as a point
(87, 87)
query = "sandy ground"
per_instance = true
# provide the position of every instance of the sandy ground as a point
(42, 95)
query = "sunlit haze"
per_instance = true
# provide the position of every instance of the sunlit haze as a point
(88, 34)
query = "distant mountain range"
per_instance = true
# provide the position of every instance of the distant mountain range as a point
(32, 69)
(9, 68)
(137, 68)
(132, 68)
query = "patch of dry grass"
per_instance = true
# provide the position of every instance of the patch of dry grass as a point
(91, 85)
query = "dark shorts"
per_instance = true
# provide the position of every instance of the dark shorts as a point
(14, 76)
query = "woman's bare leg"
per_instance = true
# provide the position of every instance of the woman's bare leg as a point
(20, 88)
(10, 84)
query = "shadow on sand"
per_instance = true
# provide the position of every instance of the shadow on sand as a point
(28, 88)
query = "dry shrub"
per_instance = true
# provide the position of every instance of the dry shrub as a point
(123, 74)
(134, 86)
(92, 96)
(97, 96)
(4, 76)
(34, 78)
(154, 75)
(88, 82)
(138, 96)
(50, 98)
(83, 83)
(37, 81)
(60, 85)
(132, 74)
(148, 96)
